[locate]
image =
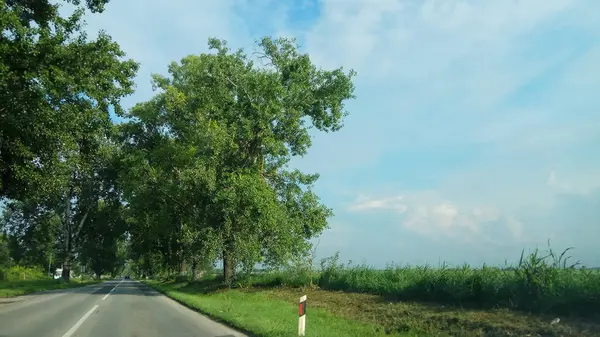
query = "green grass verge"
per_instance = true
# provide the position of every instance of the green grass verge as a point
(518, 300)
(22, 287)
(338, 313)
(259, 315)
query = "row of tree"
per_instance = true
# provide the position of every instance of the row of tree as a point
(197, 174)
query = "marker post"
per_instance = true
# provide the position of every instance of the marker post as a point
(302, 316)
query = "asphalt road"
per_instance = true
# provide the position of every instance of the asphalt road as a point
(109, 309)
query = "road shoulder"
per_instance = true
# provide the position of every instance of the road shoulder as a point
(10, 289)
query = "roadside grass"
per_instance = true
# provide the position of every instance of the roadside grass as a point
(272, 311)
(427, 319)
(539, 283)
(22, 287)
(416, 300)
(258, 314)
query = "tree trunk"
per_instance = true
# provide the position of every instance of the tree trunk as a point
(228, 266)
(67, 230)
(194, 269)
(98, 271)
(180, 249)
(180, 266)
(229, 262)
(66, 272)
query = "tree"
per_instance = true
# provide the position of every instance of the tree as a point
(90, 190)
(86, 212)
(219, 136)
(53, 82)
(5, 259)
(58, 87)
(102, 237)
(31, 232)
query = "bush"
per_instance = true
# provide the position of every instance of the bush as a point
(16, 273)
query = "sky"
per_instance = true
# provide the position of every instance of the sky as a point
(475, 131)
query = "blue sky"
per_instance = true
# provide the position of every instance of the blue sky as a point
(475, 132)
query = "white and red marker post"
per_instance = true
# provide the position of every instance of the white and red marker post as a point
(302, 316)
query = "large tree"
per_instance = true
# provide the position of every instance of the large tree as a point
(102, 237)
(213, 145)
(57, 88)
(83, 215)
(89, 190)
(54, 83)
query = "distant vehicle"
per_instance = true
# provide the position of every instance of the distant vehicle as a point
(127, 277)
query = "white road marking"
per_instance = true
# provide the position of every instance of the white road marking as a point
(113, 289)
(79, 322)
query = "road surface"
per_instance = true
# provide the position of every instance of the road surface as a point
(109, 309)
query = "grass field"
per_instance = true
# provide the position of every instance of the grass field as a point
(22, 287)
(260, 314)
(538, 283)
(512, 301)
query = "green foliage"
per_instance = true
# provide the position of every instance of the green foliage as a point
(16, 273)
(102, 238)
(96, 6)
(30, 232)
(56, 86)
(206, 173)
(5, 258)
(198, 173)
(538, 283)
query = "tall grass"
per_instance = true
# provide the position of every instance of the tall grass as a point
(544, 283)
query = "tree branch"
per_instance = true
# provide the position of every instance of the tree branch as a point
(81, 222)
(244, 91)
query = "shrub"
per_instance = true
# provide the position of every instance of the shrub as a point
(15, 273)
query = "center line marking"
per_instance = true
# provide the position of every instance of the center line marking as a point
(79, 322)
(105, 296)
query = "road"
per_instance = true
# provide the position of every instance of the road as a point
(109, 309)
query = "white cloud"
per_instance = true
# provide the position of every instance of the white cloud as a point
(567, 210)
(367, 203)
(429, 214)
(424, 39)
(515, 227)
(515, 82)
(445, 74)
(551, 178)
(555, 183)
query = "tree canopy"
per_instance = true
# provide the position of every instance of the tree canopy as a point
(197, 174)
(56, 87)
